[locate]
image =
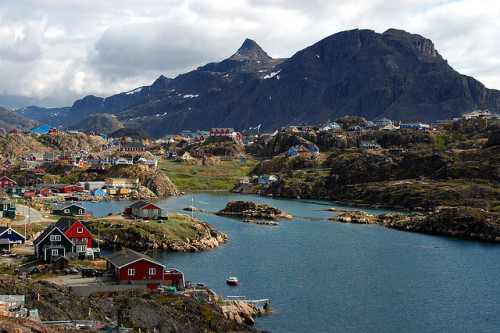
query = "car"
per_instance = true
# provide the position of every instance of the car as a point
(90, 272)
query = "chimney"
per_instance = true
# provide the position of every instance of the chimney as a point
(124, 250)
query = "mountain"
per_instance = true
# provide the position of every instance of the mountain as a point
(9, 119)
(50, 116)
(359, 72)
(98, 123)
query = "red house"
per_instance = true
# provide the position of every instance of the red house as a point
(76, 232)
(53, 130)
(66, 155)
(132, 267)
(76, 161)
(46, 192)
(71, 189)
(145, 210)
(221, 131)
(6, 182)
(14, 131)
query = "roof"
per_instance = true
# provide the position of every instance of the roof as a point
(4, 229)
(64, 206)
(139, 204)
(4, 241)
(47, 232)
(128, 256)
(65, 223)
(134, 144)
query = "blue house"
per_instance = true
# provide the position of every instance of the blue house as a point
(354, 128)
(243, 160)
(266, 179)
(11, 237)
(314, 149)
(43, 129)
(292, 151)
(99, 193)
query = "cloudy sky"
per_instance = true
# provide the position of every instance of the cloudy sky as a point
(53, 52)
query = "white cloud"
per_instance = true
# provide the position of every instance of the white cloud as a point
(65, 49)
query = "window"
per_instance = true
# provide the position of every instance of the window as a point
(152, 271)
(55, 252)
(55, 238)
(79, 230)
(80, 211)
(66, 211)
(131, 272)
(9, 232)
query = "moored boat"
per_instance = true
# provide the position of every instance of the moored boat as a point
(232, 281)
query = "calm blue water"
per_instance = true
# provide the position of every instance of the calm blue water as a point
(322, 276)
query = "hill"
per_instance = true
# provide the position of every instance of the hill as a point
(10, 120)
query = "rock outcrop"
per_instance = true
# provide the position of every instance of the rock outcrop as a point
(459, 222)
(153, 179)
(141, 310)
(355, 216)
(254, 210)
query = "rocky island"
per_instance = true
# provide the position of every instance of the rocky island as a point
(178, 233)
(253, 210)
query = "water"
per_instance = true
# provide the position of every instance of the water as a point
(323, 276)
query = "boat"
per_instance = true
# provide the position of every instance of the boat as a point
(232, 281)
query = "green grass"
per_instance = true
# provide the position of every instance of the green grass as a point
(206, 177)
(176, 227)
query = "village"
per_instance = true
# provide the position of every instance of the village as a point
(65, 251)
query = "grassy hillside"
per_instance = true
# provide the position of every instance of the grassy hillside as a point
(222, 176)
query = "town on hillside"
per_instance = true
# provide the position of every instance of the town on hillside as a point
(347, 160)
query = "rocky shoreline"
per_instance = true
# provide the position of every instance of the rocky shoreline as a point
(458, 222)
(148, 311)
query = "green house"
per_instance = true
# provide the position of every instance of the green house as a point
(52, 243)
(69, 209)
(8, 208)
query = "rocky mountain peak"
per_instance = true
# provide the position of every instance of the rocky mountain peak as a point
(250, 50)
(423, 45)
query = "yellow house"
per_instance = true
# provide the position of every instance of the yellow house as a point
(122, 182)
(111, 191)
(291, 129)
(122, 190)
(147, 142)
(184, 157)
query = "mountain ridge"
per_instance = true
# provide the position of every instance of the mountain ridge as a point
(395, 74)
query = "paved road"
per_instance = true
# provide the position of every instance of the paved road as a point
(34, 215)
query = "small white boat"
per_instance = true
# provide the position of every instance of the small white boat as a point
(232, 281)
